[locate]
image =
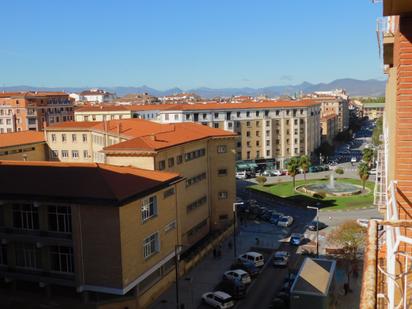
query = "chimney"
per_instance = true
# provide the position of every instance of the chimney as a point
(153, 137)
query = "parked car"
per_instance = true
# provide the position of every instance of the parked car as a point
(281, 258)
(314, 225)
(296, 239)
(236, 289)
(254, 257)
(285, 221)
(237, 275)
(313, 169)
(274, 219)
(241, 175)
(372, 171)
(277, 173)
(353, 160)
(247, 266)
(218, 299)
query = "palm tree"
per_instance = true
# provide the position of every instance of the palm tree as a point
(293, 168)
(304, 164)
(367, 156)
(363, 172)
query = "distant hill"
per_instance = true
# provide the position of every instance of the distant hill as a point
(354, 87)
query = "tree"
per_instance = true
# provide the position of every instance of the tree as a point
(351, 238)
(261, 180)
(363, 172)
(293, 168)
(377, 132)
(339, 171)
(304, 164)
(368, 156)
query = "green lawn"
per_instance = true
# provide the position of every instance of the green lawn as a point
(285, 190)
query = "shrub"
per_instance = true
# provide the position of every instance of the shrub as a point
(339, 171)
(261, 180)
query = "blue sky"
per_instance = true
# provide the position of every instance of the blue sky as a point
(187, 43)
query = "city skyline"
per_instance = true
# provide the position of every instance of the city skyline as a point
(189, 45)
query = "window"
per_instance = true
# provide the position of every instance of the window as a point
(84, 137)
(268, 143)
(179, 159)
(196, 204)
(25, 217)
(248, 133)
(60, 219)
(170, 162)
(151, 245)
(238, 114)
(85, 154)
(216, 115)
(74, 138)
(61, 259)
(54, 154)
(193, 180)
(162, 165)
(295, 121)
(257, 133)
(222, 195)
(168, 192)
(257, 143)
(248, 123)
(266, 113)
(248, 143)
(75, 154)
(195, 154)
(257, 123)
(149, 208)
(222, 172)
(64, 138)
(277, 113)
(268, 123)
(238, 144)
(247, 114)
(216, 125)
(221, 149)
(267, 132)
(257, 154)
(257, 113)
(268, 152)
(27, 256)
(53, 137)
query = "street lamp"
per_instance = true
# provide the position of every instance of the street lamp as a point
(178, 249)
(234, 228)
(317, 228)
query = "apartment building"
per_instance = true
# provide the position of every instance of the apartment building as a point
(204, 156)
(275, 130)
(23, 146)
(96, 96)
(102, 112)
(337, 105)
(373, 110)
(52, 247)
(21, 111)
(387, 277)
(329, 127)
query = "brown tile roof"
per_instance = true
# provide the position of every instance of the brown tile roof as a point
(21, 138)
(175, 134)
(31, 94)
(88, 183)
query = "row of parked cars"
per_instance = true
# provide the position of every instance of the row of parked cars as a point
(253, 211)
(235, 281)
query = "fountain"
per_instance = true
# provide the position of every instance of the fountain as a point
(331, 188)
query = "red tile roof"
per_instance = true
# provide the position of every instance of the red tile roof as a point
(83, 182)
(176, 134)
(21, 138)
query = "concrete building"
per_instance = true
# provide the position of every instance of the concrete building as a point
(373, 110)
(102, 112)
(21, 111)
(204, 156)
(389, 285)
(329, 126)
(337, 105)
(96, 96)
(86, 235)
(23, 146)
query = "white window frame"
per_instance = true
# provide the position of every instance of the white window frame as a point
(151, 245)
(149, 208)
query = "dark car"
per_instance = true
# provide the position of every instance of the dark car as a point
(274, 219)
(315, 224)
(249, 267)
(234, 288)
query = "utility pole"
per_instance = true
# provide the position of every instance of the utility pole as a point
(317, 228)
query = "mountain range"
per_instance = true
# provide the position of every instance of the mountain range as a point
(354, 87)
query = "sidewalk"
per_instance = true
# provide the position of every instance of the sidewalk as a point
(205, 276)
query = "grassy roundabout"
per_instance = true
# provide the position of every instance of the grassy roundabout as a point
(286, 191)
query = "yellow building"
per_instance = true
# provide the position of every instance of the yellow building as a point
(204, 156)
(330, 128)
(102, 113)
(373, 110)
(23, 146)
(49, 236)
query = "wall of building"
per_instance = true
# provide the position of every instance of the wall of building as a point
(29, 152)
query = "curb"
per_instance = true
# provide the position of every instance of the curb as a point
(347, 210)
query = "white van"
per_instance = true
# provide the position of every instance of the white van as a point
(241, 175)
(253, 257)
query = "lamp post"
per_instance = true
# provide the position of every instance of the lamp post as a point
(178, 248)
(317, 228)
(234, 228)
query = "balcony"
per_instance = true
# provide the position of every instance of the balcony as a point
(385, 31)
